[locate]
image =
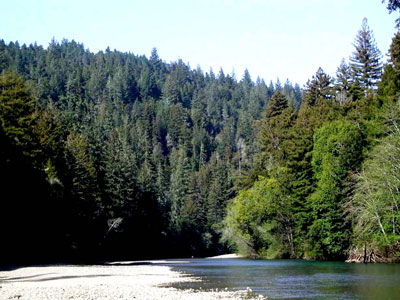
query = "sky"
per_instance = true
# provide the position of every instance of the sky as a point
(285, 39)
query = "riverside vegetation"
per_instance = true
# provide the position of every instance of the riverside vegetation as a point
(117, 156)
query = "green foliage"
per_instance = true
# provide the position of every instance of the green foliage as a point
(25, 203)
(16, 110)
(374, 206)
(336, 153)
(277, 104)
(318, 88)
(273, 132)
(366, 63)
(347, 87)
(395, 51)
(389, 86)
(259, 220)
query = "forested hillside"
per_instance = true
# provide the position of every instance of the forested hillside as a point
(111, 155)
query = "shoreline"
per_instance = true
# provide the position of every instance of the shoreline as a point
(103, 282)
(232, 255)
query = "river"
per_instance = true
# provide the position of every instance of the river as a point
(295, 279)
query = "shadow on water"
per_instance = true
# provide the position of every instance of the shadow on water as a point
(295, 279)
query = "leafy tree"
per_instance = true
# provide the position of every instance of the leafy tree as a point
(259, 220)
(337, 150)
(375, 204)
(16, 111)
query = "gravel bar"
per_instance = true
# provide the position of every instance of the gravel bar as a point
(101, 282)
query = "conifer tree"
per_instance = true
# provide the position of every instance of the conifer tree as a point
(346, 88)
(179, 187)
(277, 104)
(389, 86)
(365, 63)
(273, 132)
(343, 80)
(80, 177)
(319, 87)
(395, 51)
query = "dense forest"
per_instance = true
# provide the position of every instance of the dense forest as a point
(116, 155)
(111, 155)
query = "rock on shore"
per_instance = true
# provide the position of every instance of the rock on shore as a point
(110, 282)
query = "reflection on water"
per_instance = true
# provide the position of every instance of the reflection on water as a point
(295, 279)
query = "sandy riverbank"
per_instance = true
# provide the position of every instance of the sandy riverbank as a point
(233, 255)
(104, 282)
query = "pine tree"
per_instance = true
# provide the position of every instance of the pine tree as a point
(277, 104)
(179, 187)
(219, 192)
(389, 86)
(119, 175)
(395, 51)
(80, 177)
(318, 88)
(273, 132)
(246, 83)
(342, 86)
(366, 63)
(347, 89)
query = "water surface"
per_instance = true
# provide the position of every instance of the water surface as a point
(295, 279)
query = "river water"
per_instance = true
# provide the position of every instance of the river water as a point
(295, 279)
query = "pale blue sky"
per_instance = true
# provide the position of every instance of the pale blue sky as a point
(272, 38)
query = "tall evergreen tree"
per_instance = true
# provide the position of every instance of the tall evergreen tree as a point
(273, 132)
(389, 86)
(346, 88)
(366, 63)
(318, 88)
(395, 51)
(277, 104)
(343, 81)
